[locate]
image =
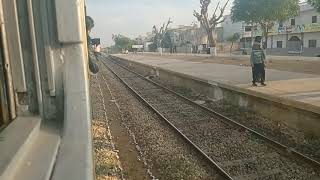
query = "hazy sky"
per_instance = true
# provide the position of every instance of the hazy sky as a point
(136, 17)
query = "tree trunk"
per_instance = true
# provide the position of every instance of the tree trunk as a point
(212, 41)
(252, 34)
(160, 50)
(266, 32)
(231, 48)
(266, 40)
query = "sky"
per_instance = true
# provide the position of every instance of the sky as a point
(137, 17)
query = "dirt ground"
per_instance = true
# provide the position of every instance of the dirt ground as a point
(308, 67)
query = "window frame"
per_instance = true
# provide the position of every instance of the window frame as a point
(314, 19)
(248, 28)
(293, 22)
(312, 43)
(280, 43)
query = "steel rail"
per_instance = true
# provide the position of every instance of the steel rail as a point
(229, 121)
(204, 155)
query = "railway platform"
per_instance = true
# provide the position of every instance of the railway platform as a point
(291, 85)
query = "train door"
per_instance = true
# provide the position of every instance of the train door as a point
(4, 108)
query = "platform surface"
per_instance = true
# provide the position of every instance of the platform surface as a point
(296, 86)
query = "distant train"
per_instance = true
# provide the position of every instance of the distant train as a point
(44, 98)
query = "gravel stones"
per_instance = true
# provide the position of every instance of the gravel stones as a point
(222, 142)
(107, 164)
(165, 154)
(276, 130)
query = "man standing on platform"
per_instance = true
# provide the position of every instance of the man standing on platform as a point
(257, 60)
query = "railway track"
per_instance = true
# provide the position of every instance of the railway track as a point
(236, 151)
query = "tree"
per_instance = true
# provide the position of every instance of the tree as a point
(166, 42)
(210, 24)
(122, 42)
(242, 11)
(235, 37)
(160, 33)
(264, 12)
(315, 3)
(152, 47)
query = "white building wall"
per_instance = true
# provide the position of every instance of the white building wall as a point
(272, 42)
(302, 29)
(305, 16)
(230, 28)
(311, 36)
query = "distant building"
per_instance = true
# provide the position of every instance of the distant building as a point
(297, 36)
(188, 39)
(184, 39)
(145, 40)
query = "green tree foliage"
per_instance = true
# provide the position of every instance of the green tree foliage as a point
(242, 11)
(264, 12)
(166, 42)
(235, 37)
(153, 47)
(122, 42)
(159, 34)
(315, 3)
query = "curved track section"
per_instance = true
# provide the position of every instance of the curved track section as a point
(236, 151)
